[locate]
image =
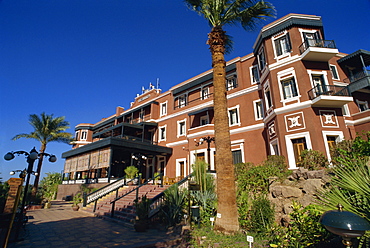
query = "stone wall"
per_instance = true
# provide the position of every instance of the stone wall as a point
(301, 187)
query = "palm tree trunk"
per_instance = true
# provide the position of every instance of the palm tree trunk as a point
(38, 170)
(227, 212)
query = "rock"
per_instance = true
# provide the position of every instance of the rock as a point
(290, 192)
(311, 186)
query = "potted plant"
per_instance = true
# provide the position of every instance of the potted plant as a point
(77, 199)
(142, 209)
(131, 172)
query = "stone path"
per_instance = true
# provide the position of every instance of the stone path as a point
(59, 226)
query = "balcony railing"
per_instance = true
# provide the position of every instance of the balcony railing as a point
(316, 43)
(357, 76)
(182, 105)
(328, 90)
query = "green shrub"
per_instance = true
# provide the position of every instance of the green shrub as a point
(304, 229)
(261, 215)
(207, 202)
(173, 205)
(131, 171)
(313, 160)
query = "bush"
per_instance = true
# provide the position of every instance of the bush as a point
(173, 205)
(313, 160)
(261, 215)
(304, 229)
(131, 171)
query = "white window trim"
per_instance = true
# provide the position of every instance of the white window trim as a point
(206, 117)
(252, 75)
(201, 93)
(362, 102)
(160, 132)
(276, 37)
(272, 143)
(83, 137)
(284, 75)
(332, 76)
(265, 87)
(308, 31)
(178, 170)
(161, 108)
(345, 110)
(238, 113)
(289, 147)
(262, 70)
(212, 157)
(179, 128)
(325, 135)
(255, 109)
(318, 73)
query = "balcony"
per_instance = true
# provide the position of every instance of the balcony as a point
(329, 96)
(318, 50)
(358, 81)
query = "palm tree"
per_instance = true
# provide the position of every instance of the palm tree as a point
(46, 129)
(219, 13)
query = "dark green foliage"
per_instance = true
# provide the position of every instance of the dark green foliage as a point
(304, 229)
(4, 188)
(261, 215)
(253, 183)
(142, 208)
(313, 160)
(207, 202)
(49, 185)
(173, 205)
(254, 179)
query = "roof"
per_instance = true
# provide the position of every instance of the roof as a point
(355, 59)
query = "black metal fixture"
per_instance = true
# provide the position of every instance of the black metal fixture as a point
(209, 140)
(31, 157)
(345, 224)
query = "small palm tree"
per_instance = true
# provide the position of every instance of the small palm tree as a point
(219, 13)
(46, 129)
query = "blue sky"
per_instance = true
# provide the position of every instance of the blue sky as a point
(82, 58)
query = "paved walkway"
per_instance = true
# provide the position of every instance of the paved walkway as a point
(60, 226)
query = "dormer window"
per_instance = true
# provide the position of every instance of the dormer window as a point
(231, 82)
(282, 45)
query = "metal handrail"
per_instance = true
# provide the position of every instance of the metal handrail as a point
(357, 76)
(135, 189)
(316, 43)
(194, 100)
(94, 196)
(158, 199)
(328, 90)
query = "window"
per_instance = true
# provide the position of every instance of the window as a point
(345, 110)
(181, 128)
(204, 93)
(261, 59)
(298, 146)
(258, 109)
(76, 135)
(162, 133)
(204, 120)
(311, 38)
(282, 45)
(319, 84)
(362, 105)
(234, 116)
(83, 135)
(334, 72)
(332, 140)
(182, 101)
(255, 76)
(289, 88)
(268, 99)
(141, 115)
(237, 156)
(163, 108)
(231, 82)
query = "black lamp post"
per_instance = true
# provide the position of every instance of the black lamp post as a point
(31, 157)
(209, 140)
(345, 224)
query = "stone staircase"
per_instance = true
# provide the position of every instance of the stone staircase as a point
(124, 210)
